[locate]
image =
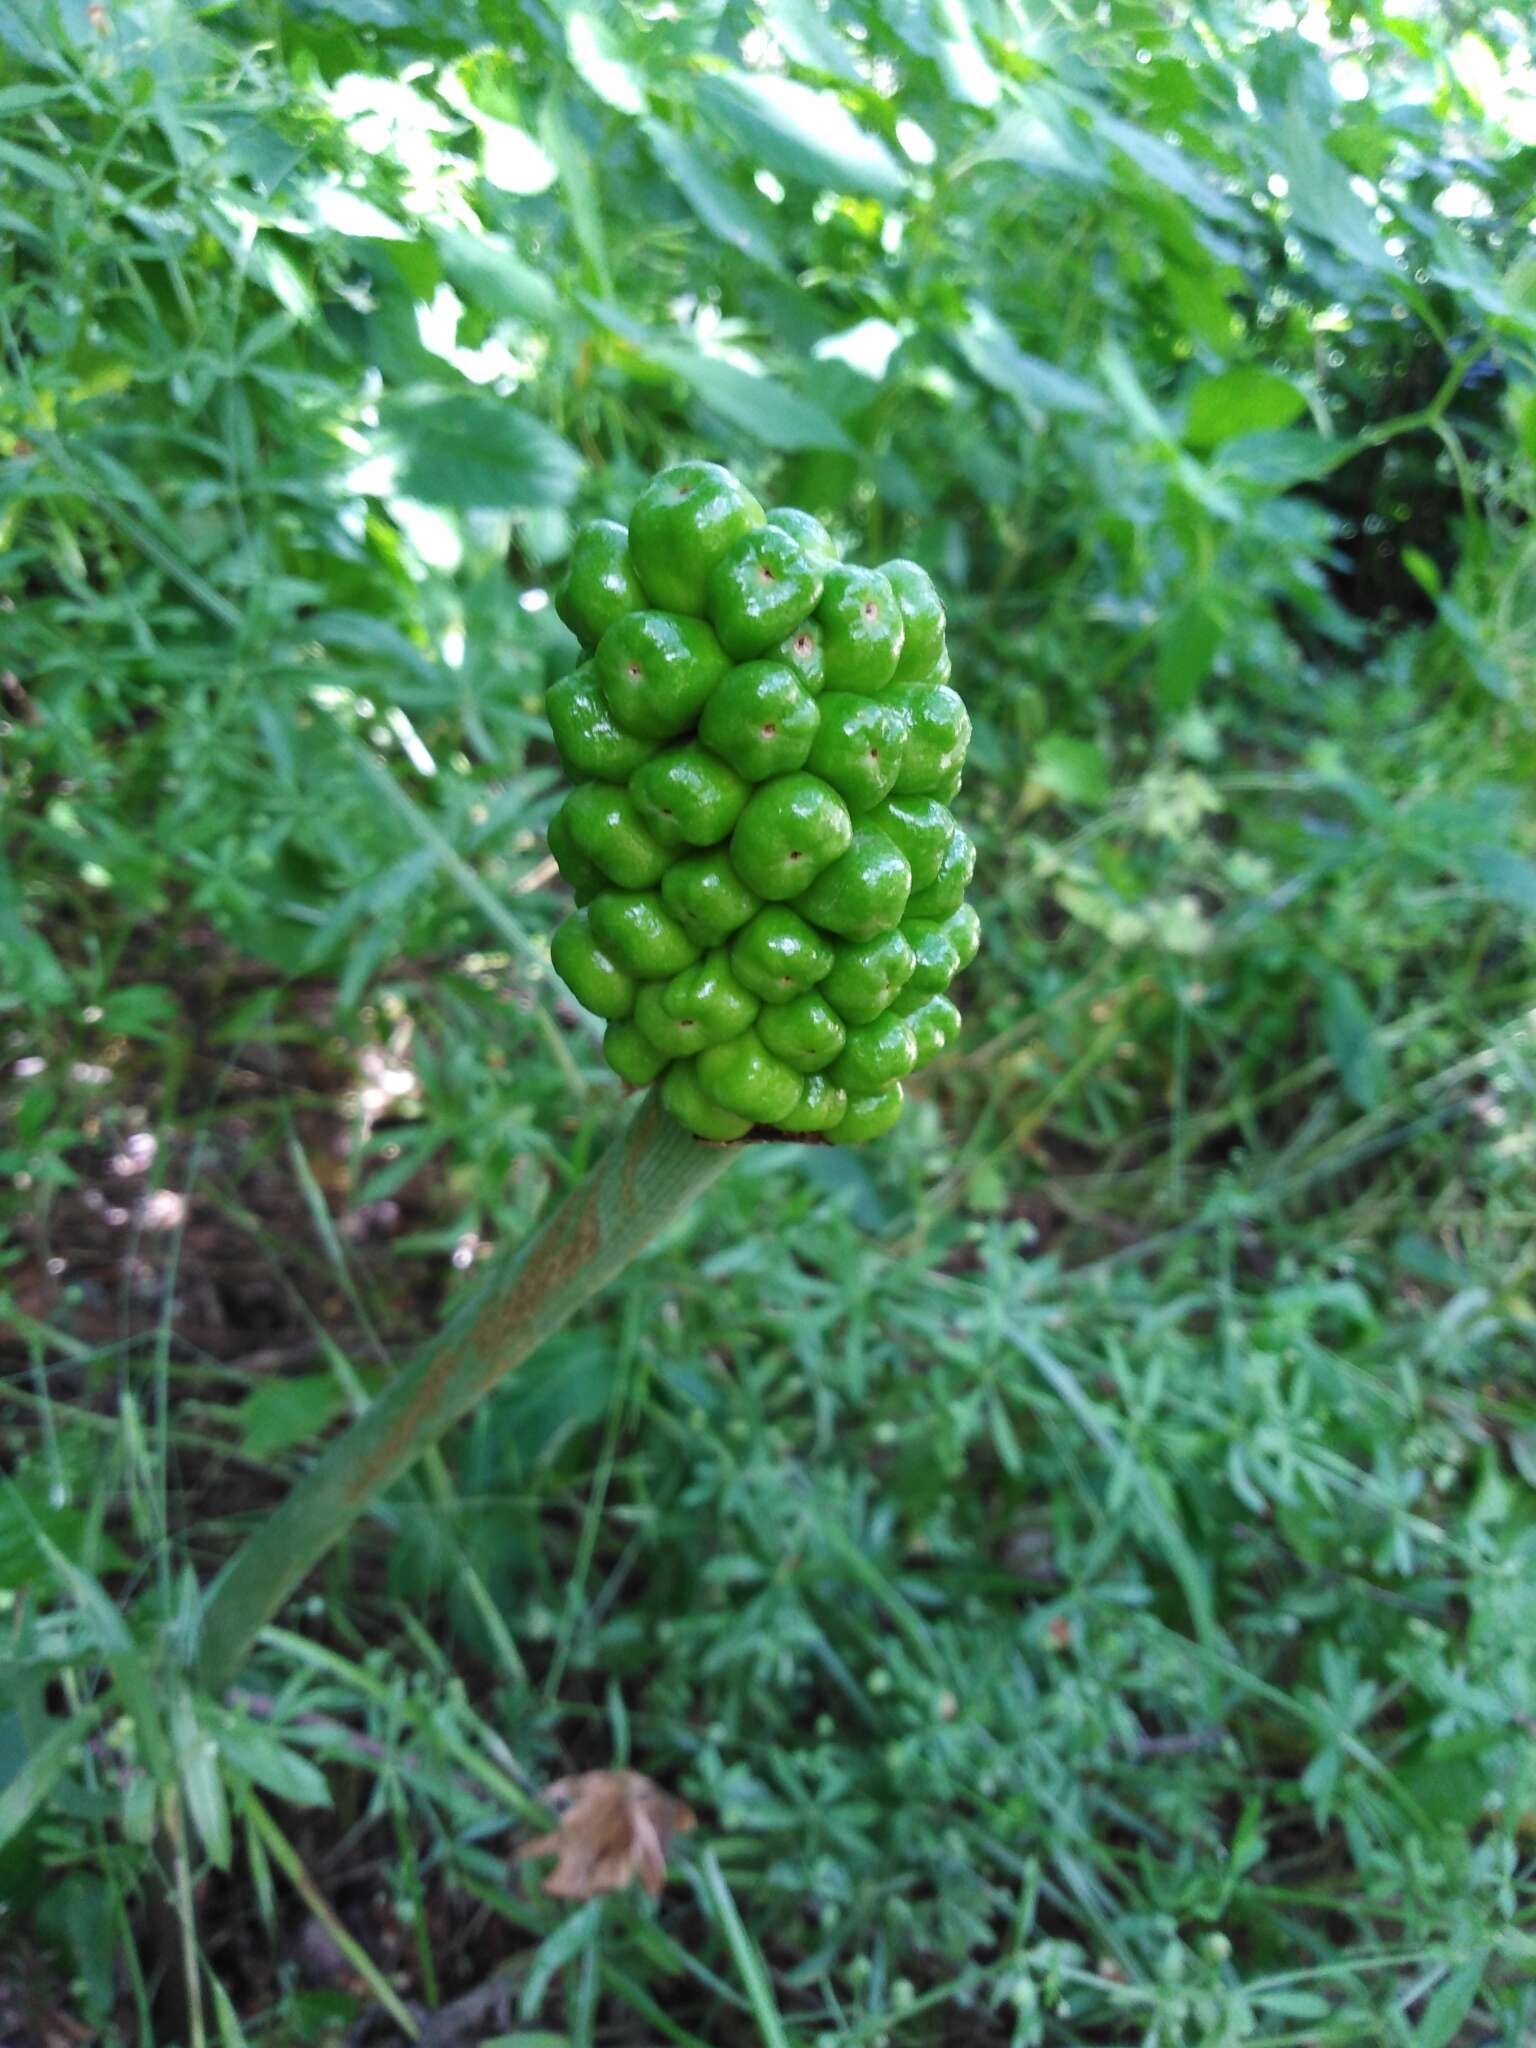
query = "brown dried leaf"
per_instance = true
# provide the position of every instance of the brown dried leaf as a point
(614, 1826)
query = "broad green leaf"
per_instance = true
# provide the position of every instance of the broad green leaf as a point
(1321, 198)
(809, 39)
(197, 1766)
(470, 448)
(579, 183)
(1034, 385)
(1349, 1033)
(596, 55)
(1186, 647)
(33, 1783)
(759, 406)
(739, 219)
(32, 164)
(1170, 166)
(802, 133)
(1507, 876)
(270, 1763)
(286, 1412)
(1043, 136)
(1446, 2012)
(1071, 769)
(487, 272)
(1244, 400)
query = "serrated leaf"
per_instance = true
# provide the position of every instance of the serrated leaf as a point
(469, 449)
(803, 133)
(1245, 400)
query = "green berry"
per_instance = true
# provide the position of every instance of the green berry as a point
(600, 584)
(964, 928)
(790, 830)
(637, 930)
(922, 619)
(759, 590)
(806, 1033)
(946, 892)
(593, 976)
(584, 876)
(657, 671)
(934, 1024)
(875, 1055)
(867, 1116)
(864, 891)
(688, 796)
(706, 896)
(631, 1054)
(921, 827)
(696, 1111)
(589, 743)
(867, 975)
(936, 961)
(801, 652)
(760, 720)
(858, 747)
(605, 825)
(778, 955)
(938, 733)
(682, 523)
(808, 533)
(861, 629)
(821, 1107)
(744, 1076)
(699, 1007)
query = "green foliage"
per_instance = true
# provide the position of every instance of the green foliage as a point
(1075, 1556)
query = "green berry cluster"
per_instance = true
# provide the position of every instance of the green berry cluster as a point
(764, 743)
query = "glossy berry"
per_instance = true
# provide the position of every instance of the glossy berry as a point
(600, 585)
(769, 881)
(760, 720)
(801, 652)
(938, 733)
(921, 827)
(706, 896)
(922, 620)
(592, 975)
(791, 829)
(807, 531)
(688, 796)
(605, 826)
(657, 670)
(875, 1055)
(867, 975)
(590, 744)
(864, 891)
(821, 1107)
(631, 1054)
(699, 1007)
(806, 1033)
(946, 892)
(635, 928)
(744, 1076)
(861, 629)
(867, 1116)
(683, 522)
(858, 747)
(759, 590)
(698, 1112)
(778, 955)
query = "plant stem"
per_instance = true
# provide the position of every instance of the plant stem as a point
(645, 1179)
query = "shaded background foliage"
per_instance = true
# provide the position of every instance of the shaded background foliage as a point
(1077, 1557)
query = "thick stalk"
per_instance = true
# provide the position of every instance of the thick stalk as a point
(645, 1179)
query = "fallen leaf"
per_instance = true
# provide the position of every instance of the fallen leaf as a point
(613, 1826)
